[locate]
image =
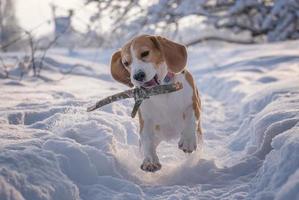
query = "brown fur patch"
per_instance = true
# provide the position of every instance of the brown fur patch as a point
(118, 71)
(196, 103)
(174, 54)
(144, 43)
(126, 53)
(141, 121)
(157, 127)
(195, 97)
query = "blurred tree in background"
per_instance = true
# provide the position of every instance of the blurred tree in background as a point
(189, 21)
(259, 20)
(9, 28)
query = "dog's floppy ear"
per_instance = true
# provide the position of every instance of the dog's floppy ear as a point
(118, 70)
(175, 54)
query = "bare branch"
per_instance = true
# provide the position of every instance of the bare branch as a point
(216, 38)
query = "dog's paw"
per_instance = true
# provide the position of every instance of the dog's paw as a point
(188, 144)
(150, 166)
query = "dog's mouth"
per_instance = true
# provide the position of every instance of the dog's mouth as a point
(153, 82)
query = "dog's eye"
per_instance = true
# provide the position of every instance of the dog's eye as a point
(126, 63)
(144, 54)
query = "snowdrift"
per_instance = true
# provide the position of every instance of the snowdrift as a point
(51, 148)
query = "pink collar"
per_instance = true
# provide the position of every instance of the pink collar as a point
(169, 76)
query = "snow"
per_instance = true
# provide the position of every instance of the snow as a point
(51, 148)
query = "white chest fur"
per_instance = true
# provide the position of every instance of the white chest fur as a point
(164, 114)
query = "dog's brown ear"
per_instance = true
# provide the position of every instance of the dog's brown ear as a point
(175, 54)
(118, 70)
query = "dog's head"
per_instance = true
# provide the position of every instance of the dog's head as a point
(146, 60)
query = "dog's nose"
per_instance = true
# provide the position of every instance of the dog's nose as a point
(139, 76)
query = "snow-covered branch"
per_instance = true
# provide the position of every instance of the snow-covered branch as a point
(265, 20)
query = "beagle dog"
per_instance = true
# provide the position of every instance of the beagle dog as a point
(147, 61)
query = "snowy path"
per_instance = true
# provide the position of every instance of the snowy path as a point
(52, 149)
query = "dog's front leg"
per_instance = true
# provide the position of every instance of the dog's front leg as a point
(149, 144)
(189, 137)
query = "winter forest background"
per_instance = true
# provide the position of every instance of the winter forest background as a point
(242, 21)
(111, 23)
(54, 63)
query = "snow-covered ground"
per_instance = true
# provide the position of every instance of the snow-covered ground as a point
(52, 149)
